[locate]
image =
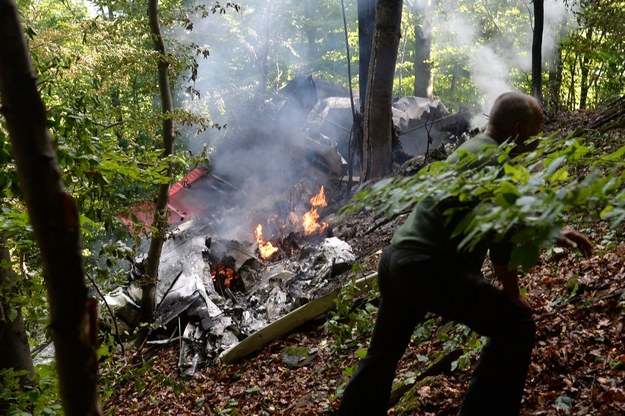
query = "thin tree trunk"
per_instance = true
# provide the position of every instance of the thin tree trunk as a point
(311, 30)
(537, 44)
(366, 26)
(14, 349)
(263, 58)
(423, 80)
(572, 96)
(584, 68)
(555, 79)
(115, 95)
(378, 120)
(54, 218)
(148, 298)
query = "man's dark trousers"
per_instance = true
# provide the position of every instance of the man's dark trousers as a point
(412, 284)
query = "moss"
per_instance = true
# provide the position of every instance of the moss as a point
(412, 401)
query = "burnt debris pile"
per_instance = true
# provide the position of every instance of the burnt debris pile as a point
(249, 243)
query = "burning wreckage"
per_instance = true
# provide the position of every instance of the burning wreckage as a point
(250, 257)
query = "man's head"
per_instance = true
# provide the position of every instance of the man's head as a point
(515, 116)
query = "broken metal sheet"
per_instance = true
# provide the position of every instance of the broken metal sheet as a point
(215, 319)
(316, 267)
(406, 110)
(184, 275)
(417, 120)
(125, 307)
(191, 351)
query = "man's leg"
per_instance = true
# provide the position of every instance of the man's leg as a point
(368, 392)
(499, 377)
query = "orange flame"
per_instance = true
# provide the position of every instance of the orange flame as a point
(225, 273)
(266, 249)
(310, 223)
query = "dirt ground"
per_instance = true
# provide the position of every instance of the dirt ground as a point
(578, 365)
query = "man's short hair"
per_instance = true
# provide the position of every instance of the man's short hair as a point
(511, 108)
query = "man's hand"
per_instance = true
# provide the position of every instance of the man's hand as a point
(570, 238)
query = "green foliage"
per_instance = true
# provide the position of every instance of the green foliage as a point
(592, 55)
(582, 50)
(469, 342)
(38, 399)
(524, 198)
(353, 317)
(451, 336)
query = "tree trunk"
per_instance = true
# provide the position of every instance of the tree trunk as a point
(148, 297)
(378, 120)
(584, 68)
(311, 30)
(54, 218)
(263, 56)
(423, 79)
(14, 349)
(537, 45)
(572, 70)
(366, 25)
(555, 79)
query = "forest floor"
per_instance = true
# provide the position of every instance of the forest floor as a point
(578, 364)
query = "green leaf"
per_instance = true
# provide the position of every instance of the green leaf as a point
(527, 203)
(616, 156)
(525, 256)
(555, 164)
(12, 314)
(517, 172)
(560, 175)
(506, 194)
(606, 211)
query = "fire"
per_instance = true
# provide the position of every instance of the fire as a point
(266, 249)
(224, 275)
(310, 223)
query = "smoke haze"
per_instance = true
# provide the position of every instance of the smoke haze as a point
(247, 44)
(491, 63)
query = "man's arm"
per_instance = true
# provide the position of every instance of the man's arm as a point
(570, 238)
(510, 281)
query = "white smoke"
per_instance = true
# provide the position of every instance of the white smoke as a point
(492, 63)
(558, 18)
(489, 73)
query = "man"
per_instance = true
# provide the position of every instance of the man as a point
(423, 271)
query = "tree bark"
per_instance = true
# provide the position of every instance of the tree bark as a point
(14, 349)
(423, 80)
(366, 26)
(555, 80)
(571, 102)
(584, 68)
(378, 121)
(311, 30)
(263, 56)
(54, 218)
(537, 45)
(148, 297)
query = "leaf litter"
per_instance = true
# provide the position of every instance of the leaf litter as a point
(578, 364)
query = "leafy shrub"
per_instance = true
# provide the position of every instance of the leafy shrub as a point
(525, 198)
(354, 315)
(40, 398)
